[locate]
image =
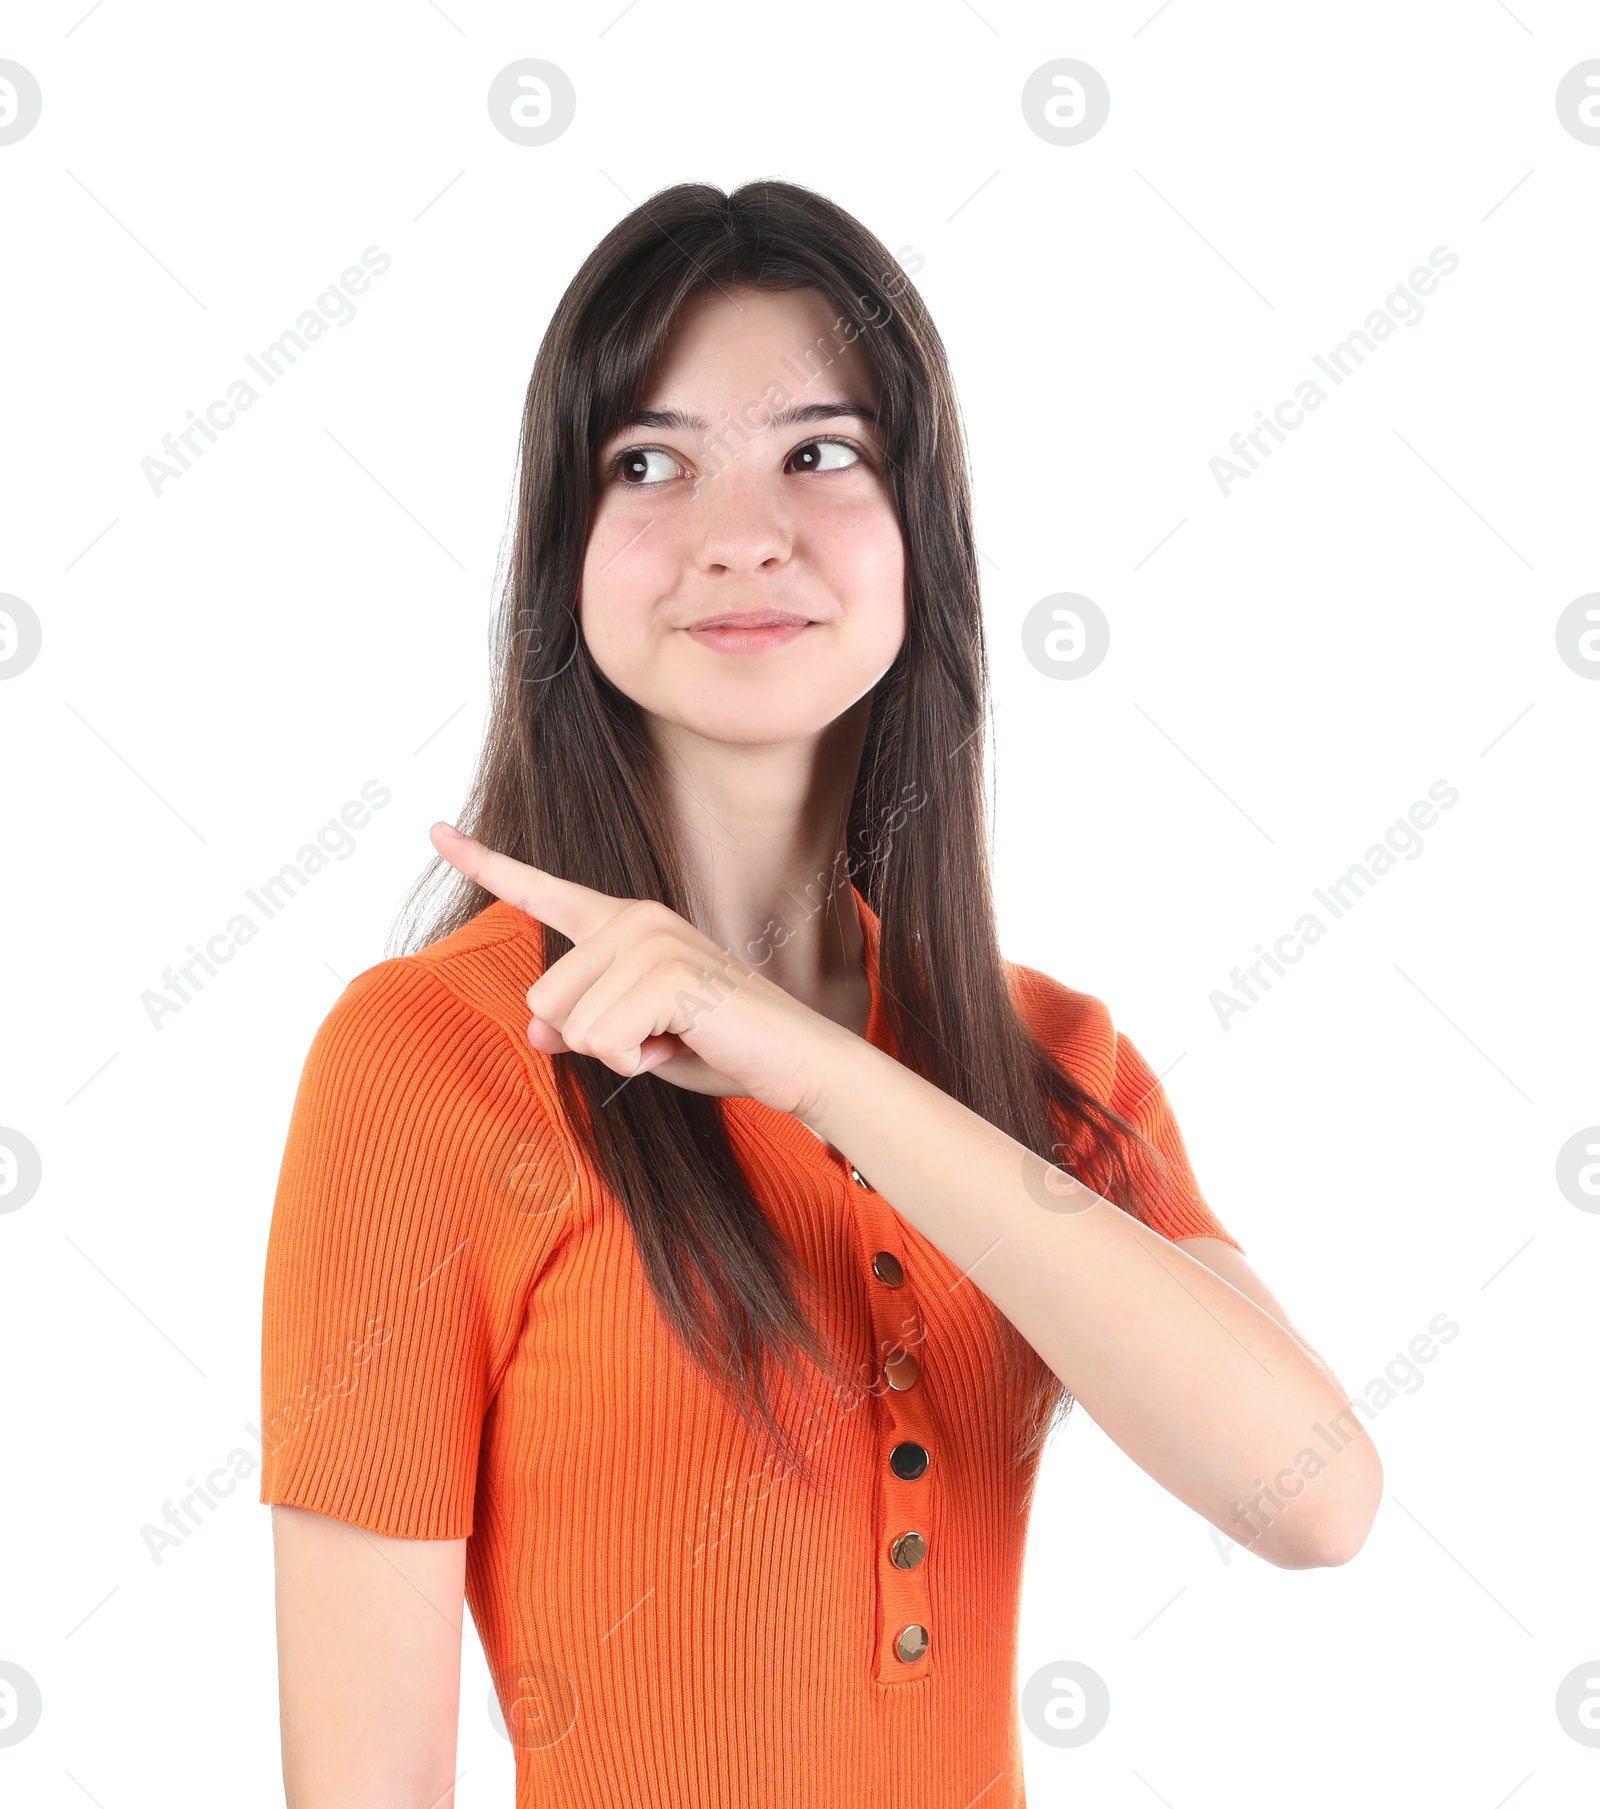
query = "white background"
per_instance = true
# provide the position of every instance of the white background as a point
(225, 664)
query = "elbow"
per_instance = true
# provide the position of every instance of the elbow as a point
(1336, 1535)
(1316, 1546)
(1336, 1545)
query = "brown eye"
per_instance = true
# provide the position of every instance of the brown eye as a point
(822, 455)
(634, 468)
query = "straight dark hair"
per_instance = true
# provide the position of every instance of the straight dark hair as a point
(567, 781)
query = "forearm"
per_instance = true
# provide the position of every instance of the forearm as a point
(1204, 1390)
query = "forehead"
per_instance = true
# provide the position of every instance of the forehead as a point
(727, 346)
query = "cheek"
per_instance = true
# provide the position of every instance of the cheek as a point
(867, 570)
(626, 571)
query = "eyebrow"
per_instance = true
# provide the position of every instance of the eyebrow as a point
(668, 419)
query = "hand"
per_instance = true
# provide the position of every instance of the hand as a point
(643, 991)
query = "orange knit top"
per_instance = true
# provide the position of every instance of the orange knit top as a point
(458, 1340)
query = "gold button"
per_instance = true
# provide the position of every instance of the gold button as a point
(886, 1266)
(900, 1370)
(859, 1178)
(912, 1643)
(908, 1551)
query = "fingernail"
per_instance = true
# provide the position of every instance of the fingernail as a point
(451, 831)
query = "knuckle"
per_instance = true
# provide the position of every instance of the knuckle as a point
(662, 945)
(613, 1051)
(684, 973)
(646, 914)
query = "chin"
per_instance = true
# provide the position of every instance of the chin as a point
(741, 705)
(750, 721)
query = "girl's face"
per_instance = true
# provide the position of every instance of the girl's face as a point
(745, 575)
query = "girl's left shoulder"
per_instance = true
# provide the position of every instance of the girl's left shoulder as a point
(1076, 1027)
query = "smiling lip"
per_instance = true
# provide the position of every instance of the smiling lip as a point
(749, 631)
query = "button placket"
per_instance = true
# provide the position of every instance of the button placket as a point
(907, 1466)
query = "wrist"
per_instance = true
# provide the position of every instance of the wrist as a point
(836, 1068)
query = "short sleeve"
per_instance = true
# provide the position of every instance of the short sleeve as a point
(1174, 1205)
(400, 1254)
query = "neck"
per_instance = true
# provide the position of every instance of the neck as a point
(761, 832)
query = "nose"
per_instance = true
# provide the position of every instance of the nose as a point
(740, 526)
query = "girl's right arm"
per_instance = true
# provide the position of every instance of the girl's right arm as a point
(369, 1664)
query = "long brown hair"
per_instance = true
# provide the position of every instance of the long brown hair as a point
(567, 780)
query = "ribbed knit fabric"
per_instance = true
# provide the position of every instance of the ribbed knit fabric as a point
(458, 1340)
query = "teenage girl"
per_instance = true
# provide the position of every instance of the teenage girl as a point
(683, 1249)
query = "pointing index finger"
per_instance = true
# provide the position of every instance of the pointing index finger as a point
(576, 911)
